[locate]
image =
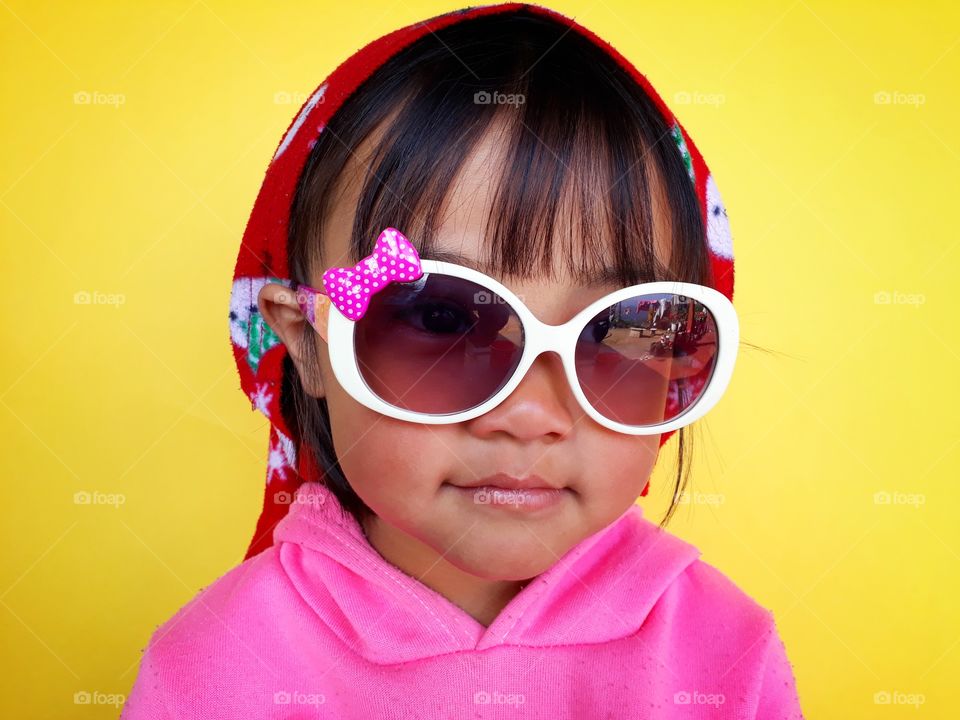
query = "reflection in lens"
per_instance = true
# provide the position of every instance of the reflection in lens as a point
(647, 359)
(440, 344)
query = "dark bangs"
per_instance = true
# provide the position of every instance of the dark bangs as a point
(585, 151)
(583, 148)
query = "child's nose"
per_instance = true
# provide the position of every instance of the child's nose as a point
(542, 404)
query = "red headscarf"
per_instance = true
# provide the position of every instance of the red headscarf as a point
(263, 253)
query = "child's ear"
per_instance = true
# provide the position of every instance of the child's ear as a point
(279, 308)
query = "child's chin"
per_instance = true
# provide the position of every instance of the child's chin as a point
(494, 554)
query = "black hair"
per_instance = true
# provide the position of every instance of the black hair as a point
(585, 147)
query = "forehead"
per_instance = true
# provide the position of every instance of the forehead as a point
(465, 220)
(462, 224)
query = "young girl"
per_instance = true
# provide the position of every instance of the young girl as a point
(487, 276)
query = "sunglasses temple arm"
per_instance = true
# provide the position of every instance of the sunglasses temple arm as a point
(315, 306)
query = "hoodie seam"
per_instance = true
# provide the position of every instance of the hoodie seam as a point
(502, 646)
(572, 561)
(370, 564)
(340, 522)
(467, 651)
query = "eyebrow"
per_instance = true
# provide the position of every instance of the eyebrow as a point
(590, 277)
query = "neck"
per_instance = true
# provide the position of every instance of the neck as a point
(481, 598)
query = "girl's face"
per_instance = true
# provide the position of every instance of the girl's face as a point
(407, 473)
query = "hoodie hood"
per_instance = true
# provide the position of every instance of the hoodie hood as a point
(600, 590)
(262, 256)
(629, 623)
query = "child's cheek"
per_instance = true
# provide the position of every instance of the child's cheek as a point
(385, 460)
(623, 466)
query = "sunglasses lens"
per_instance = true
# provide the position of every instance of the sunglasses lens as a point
(647, 359)
(438, 345)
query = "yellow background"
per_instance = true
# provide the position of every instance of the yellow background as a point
(834, 196)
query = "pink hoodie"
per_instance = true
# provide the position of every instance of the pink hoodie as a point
(630, 623)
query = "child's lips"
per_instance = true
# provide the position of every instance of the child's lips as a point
(503, 481)
(526, 495)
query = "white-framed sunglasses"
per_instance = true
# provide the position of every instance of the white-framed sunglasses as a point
(436, 342)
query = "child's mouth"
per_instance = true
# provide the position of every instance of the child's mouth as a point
(527, 495)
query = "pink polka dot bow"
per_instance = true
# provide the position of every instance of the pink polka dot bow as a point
(393, 259)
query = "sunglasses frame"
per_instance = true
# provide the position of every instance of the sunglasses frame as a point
(337, 331)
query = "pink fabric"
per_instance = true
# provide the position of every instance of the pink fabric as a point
(630, 623)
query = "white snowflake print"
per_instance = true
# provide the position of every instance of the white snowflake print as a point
(718, 226)
(282, 457)
(260, 399)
